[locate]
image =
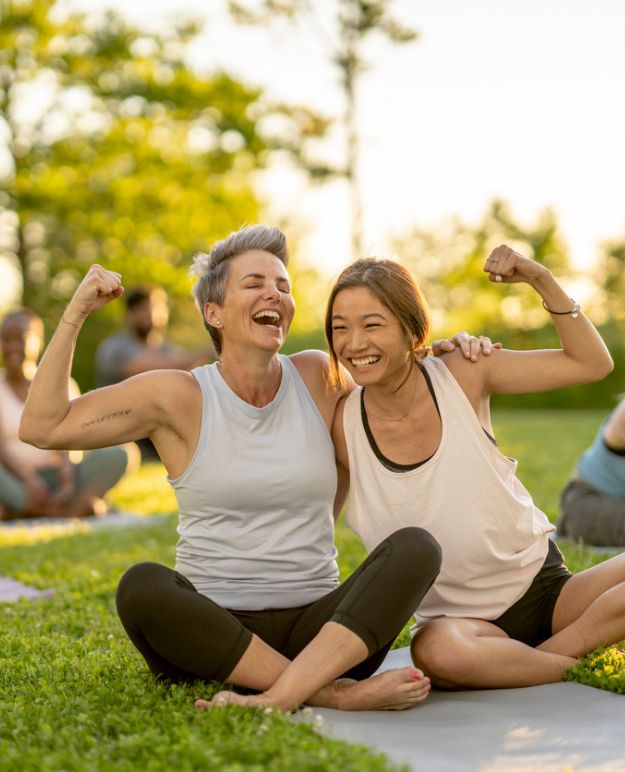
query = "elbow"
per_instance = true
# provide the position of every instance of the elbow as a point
(29, 435)
(608, 365)
(603, 368)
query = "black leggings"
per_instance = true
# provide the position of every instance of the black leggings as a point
(183, 635)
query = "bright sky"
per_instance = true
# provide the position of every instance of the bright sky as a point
(519, 100)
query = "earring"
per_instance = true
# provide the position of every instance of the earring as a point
(218, 323)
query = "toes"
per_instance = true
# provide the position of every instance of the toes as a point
(201, 704)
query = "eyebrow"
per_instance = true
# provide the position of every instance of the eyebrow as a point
(282, 279)
(364, 316)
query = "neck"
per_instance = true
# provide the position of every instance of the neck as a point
(255, 378)
(393, 400)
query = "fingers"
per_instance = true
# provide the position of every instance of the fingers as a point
(501, 263)
(442, 346)
(108, 283)
(472, 346)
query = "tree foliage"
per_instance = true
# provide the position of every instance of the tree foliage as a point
(448, 263)
(113, 150)
(345, 27)
(611, 270)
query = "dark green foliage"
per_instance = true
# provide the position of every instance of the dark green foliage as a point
(146, 165)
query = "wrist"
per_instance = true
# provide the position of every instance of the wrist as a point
(73, 316)
(544, 281)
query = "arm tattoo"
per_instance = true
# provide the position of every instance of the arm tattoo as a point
(108, 416)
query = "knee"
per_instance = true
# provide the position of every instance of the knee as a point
(138, 589)
(436, 650)
(419, 549)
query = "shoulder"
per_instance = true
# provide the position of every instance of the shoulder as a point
(311, 360)
(464, 370)
(314, 369)
(168, 388)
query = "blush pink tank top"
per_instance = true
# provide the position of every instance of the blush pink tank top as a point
(467, 495)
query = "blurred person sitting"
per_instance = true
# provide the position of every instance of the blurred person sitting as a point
(593, 502)
(44, 483)
(142, 347)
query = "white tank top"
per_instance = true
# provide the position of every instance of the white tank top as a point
(256, 525)
(494, 540)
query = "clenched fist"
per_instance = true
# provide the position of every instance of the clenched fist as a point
(506, 265)
(97, 289)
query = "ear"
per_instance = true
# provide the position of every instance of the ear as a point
(212, 314)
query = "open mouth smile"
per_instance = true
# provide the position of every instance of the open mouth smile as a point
(267, 318)
(364, 361)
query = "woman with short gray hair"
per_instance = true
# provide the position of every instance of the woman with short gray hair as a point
(254, 599)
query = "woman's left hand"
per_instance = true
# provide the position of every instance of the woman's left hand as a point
(506, 265)
(470, 345)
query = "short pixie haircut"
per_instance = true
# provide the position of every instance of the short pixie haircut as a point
(212, 269)
(394, 286)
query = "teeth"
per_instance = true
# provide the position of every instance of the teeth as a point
(364, 361)
(270, 314)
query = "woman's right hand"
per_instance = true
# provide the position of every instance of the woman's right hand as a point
(97, 289)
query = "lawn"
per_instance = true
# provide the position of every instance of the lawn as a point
(74, 694)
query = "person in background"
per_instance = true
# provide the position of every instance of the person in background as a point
(142, 347)
(35, 482)
(593, 502)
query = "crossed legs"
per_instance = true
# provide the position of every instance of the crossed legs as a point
(290, 655)
(472, 653)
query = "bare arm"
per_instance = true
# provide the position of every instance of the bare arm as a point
(583, 356)
(342, 458)
(108, 416)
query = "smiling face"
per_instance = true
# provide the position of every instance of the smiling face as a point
(368, 338)
(258, 306)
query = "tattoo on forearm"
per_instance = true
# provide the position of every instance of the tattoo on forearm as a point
(107, 417)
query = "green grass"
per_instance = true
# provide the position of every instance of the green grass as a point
(75, 695)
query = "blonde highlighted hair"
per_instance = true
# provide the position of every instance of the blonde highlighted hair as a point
(212, 269)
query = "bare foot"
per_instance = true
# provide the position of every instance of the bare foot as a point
(232, 698)
(392, 690)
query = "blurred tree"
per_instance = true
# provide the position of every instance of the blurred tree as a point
(448, 264)
(112, 150)
(345, 33)
(611, 273)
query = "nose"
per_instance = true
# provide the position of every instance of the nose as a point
(358, 340)
(272, 292)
